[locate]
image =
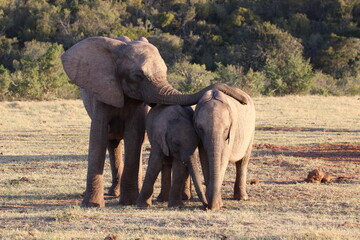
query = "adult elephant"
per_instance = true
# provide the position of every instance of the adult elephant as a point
(117, 77)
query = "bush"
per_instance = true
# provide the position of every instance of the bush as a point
(294, 77)
(189, 78)
(341, 58)
(251, 82)
(324, 84)
(8, 51)
(170, 47)
(39, 74)
(4, 82)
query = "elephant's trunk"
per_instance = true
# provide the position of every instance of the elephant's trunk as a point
(194, 170)
(214, 153)
(168, 95)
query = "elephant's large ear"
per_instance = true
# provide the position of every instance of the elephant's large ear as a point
(160, 137)
(90, 64)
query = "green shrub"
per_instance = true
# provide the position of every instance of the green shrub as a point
(39, 74)
(295, 76)
(251, 82)
(189, 78)
(4, 82)
(324, 84)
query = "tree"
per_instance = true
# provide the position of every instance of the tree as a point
(170, 47)
(251, 82)
(341, 58)
(8, 51)
(4, 82)
(295, 76)
(39, 73)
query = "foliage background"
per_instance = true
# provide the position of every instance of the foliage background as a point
(265, 47)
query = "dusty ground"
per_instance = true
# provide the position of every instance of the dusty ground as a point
(335, 152)
(43, 153)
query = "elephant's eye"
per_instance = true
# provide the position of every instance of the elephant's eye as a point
(139, 77)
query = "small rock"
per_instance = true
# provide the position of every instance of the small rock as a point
(327, 179)
(342, 179)
(111, 237)
(25, 179)
(315, 176)
(254, 182)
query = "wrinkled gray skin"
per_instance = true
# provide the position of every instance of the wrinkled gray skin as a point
(173, 140)
(226, 129)
(166, 183)
(134, 112)
(117, 77)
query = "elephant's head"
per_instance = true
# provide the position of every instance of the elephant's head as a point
(111, 69)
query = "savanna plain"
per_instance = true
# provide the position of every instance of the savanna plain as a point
(43, 157)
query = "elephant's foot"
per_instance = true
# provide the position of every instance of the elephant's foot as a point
(143, 203)
(128, 197)
(114, 190)
(93, 201)
(216, 204)
(163, 197)
(175, 203)
(186, 195)
(238, 195)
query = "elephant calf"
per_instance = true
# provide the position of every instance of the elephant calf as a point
(226, 128)
(173, 139)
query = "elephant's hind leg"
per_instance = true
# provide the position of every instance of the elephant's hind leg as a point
(186, 194)
(241, 176)
(117, 165)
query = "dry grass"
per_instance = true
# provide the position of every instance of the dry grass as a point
(43, 147)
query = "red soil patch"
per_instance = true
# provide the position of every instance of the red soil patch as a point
(335, 152)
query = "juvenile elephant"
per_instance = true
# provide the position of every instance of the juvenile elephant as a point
(118, 77)
(226, 129)
(173, 139)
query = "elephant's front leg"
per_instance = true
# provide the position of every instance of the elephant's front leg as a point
(133, 139)
(179, 177)
(153, 170)
(117, 165)
(94, 195)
